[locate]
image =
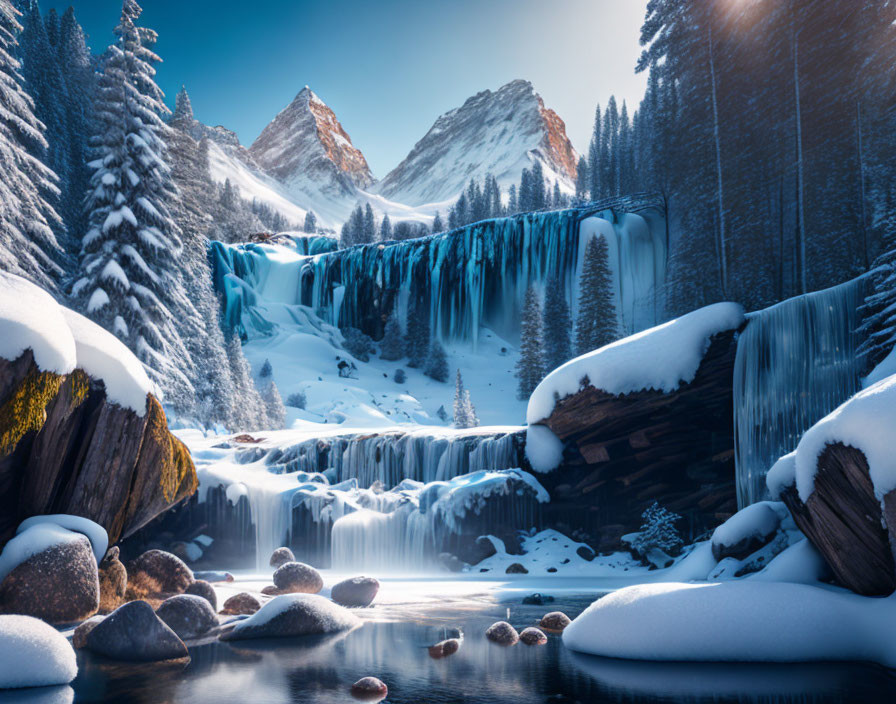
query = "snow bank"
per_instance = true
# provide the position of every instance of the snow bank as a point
(800, 563)
(32, 541)
(63, 340)
(30, 318)
(866, 422)
(34, 654)
(660, 358)
(105, 358)
(736, 621)
(96, 534)
(781, 475)
(544, 450)
(329, 617)
(753, 521)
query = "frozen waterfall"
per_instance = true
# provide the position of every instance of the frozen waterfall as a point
(796, 362)
(468, 278)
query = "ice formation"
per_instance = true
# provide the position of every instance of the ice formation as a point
(796, 362)
(469, 278)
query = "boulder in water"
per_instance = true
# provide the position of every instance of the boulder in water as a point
(516, 568)
(444, 648)
(281, 556)
(294, 615)
(242, 603)
(158, 572)
(188, 615)
(370, 689)
(502, 633)
(554, 622)
(533, 636)
(57, 581)
(298, 578)
(355, 592)
(134, 633)
(202, 588)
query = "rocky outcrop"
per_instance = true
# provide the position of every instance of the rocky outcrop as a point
(59, 584)
(64, 448)
(624, 452)
(844, 519)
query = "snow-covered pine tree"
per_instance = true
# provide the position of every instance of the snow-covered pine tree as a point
(417, 334)
(77, 66)
(270, 395)
(879, 326)
(129, 281)
(437, 363)
(369, 225)
(437, 225)
(249, 411)
(513, 206)
(46, 87)
(595, 165)
(392, 345)
(539, 194)
(582, 179)
(310, 222)
(658, 531)
(385, 229)
(464, 412)
(596, 324)
(28, 245)
(530, 367)
(557, 326)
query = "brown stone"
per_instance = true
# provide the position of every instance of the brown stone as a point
(369, 689)
(516, 568)
(113, 581)
(533, 636)
(554, 622)
(355, 592)
(66, 449)
(444, 648)
(502, 633)
(281, 556)
(58, 585)
(844, 520)
(242, 603)
(297, 577)
(158, 572)
(202, 588)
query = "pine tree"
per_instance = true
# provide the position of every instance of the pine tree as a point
(557, 327)
(28, 245)
(437, 225)
(513, 206)
(392, 345)
(530, 367)
(270, 396)
(526, 201)
(249, 411)
(417, 334)
(596, 325)
(129, 258)
(464, 412)
(369, 231)
(539, 195)
(437, 363)
(658, 531)
(582, 185)
(385, 229)
(595, 159)
(310, 225)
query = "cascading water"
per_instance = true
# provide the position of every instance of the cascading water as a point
(796, 362)
(472, 277)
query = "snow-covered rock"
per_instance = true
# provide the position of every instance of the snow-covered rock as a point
(747, 530)
(498, 133)
(294, 615)
(34, 654)
(96, 534)
(661, 358)
(736, 621)
(544, 450)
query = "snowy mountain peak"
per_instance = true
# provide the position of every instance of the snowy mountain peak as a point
(499, 132)
(306, 148)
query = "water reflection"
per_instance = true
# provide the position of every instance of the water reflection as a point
(321, 670)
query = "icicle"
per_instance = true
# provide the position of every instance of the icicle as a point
(796, 362)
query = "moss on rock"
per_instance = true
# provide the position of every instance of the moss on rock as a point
(25, 410)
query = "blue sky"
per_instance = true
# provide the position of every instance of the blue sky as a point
(388, 68)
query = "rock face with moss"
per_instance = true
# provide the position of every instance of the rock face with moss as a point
(65, 448)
